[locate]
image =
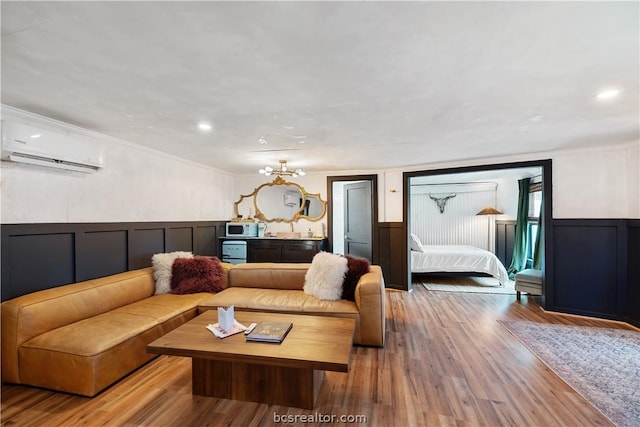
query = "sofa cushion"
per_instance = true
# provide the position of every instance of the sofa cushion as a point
(284, 301)
(197, 274)
(93, 335)
(325, 276)
(268, 275)
(164, 307)
(87, 356)
(529, 276)
(162, 264)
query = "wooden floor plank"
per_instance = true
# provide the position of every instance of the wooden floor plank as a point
(447, 361)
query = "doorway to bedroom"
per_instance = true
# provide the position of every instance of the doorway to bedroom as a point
(472, 229)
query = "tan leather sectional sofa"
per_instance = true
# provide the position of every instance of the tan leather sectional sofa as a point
(83, 337)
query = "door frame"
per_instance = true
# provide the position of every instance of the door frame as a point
(374, 210)
(545, 164)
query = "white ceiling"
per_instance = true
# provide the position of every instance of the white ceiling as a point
(366, 85)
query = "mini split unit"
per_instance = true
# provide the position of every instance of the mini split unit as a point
(26, 143)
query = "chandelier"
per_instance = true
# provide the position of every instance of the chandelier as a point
(282, 171)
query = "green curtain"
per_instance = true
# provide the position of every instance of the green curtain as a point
(538, 250)
(519, 260)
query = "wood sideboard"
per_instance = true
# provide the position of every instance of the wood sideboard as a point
(271, 249)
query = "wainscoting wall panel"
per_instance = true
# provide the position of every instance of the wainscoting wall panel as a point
(32, 259)
(42, 256)
(143, 242)
(633, 273)
(104, 253)
(505, 239)
(206, 234)
(178, 238)
(392, 253)
(590, 267)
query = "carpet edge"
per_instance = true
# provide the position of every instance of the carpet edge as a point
(502, 323)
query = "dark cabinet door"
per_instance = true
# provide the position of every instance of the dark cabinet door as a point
(299, 251)
(264, 251)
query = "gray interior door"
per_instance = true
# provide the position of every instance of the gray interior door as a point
(357, 219)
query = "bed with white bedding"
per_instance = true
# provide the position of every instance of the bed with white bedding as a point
(457, 259)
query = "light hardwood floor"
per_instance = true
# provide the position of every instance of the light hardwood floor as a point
(447, 361)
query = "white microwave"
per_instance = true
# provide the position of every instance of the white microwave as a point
(242, 229)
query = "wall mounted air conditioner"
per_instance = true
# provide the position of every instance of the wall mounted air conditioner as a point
(26, 143)
(291, 199)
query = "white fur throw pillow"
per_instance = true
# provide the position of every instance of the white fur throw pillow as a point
(162, 264)
(325, 276)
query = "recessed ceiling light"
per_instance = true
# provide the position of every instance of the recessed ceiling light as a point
(204, 126)
(607, 94)
(37, 135)
(262, 141)
(301, 139)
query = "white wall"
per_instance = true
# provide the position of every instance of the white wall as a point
(592, 184)
(458, 224)
(601, 182)
(137, 184)
(390, 194)
(337, 210)
(633, 179)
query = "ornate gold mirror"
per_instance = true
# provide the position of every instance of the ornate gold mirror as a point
(281, 201)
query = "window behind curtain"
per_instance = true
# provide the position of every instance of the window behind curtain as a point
(535, 203)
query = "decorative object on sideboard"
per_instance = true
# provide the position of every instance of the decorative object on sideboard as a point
(262, 229)
(283, 170)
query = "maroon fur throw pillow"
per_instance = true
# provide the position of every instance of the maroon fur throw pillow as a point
(356, 267)
(197, 274)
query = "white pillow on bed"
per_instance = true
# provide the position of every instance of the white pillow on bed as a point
(416, 244)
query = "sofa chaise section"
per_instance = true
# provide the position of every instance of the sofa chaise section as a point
(81, 338)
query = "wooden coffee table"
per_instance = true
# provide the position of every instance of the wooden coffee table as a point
(286, 374)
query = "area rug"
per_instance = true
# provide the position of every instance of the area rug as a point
(601, 364)
(485, 285)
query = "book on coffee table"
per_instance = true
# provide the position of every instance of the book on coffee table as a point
(273, 332)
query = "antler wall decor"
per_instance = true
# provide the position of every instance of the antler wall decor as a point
(441, 201)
